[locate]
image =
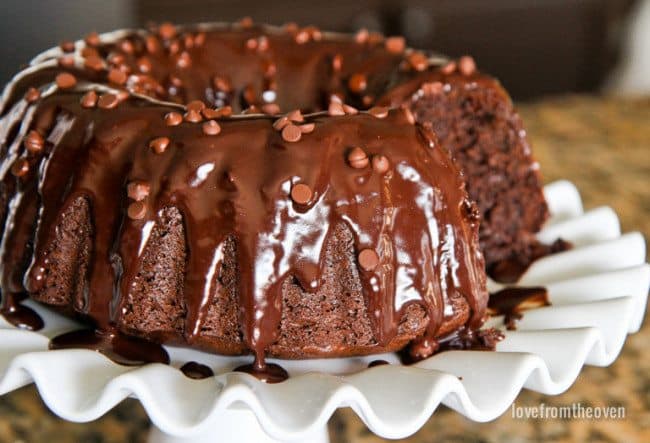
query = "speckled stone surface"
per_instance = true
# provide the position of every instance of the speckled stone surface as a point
(603, 146)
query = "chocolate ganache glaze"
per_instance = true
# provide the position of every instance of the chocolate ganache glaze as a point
(186, 225)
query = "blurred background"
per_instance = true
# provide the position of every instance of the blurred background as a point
(535, 47)
(579, 71)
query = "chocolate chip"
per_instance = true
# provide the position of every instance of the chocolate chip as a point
(116, 59)
(466, 65)
(20, 167)
(193, 116)
(251, 43)
(87, 51)
(221, 84)
(32, 95)
(65, 80)
(296, 116)
(117, 76)
(136, 210)
(418, 61)
(67, 46)
(395, 45)
(361, 36)
(195, 105)
(432, 88)
(449, 68)
(351, 110)
(357, 83)
(368, 259)
(378, 111)
(184, 60)
(301, 37)
(152, 44)
(138, 190)
(263, 43)
(108, 101)
(211, 127)
(380, 164)
(173, 119)
(291, 133)
(246, 22)
(307, 128)
(199, 39)
(89, 100)
(367, 100)
(210, 113)
(335, 108)
(94, 62)
(301, 193)
(159, 144)
(34, 142)
(280, 123)
(122, 95)
(127, 46)
(174, 47)
(167, 30)
(92, 39)
(357, 158)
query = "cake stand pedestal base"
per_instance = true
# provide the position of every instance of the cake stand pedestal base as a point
(234, 426)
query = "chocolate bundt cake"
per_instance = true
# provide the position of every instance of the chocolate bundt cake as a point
(164, 185)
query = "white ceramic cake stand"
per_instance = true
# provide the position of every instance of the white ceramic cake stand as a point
(598, 292)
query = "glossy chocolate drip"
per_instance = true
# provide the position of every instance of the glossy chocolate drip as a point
(512, 301)
(21, 316)
(122, 349)
(236, 184)
(268, 372)
(374, 363)
(196, 371)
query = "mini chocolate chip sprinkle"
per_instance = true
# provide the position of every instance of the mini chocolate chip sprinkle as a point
(271, 109)
(251, 43)
(193, 116)
(173, 119)
(144, 65)
(127, 46)
(418, 61)
(199, 39)
(296, 116)
(92, 39)
(34, 141)
(89, 100)
(94, 62)
(351, 110)
(108, 101)
(368, 259)
(380, 164)
(65, 80)
(195, 105)
(395, 45)
(357, 158)
(136, 210)
(432, 88)
(449, 68)
(408, 115)
(117, 76)
(335, 108)
(301, 37)
(290, 27)
(301, 193)
(20, 167)
(307, 128)
(174, 47)
(167, 30)
(378, 111)
(314, 33)
(337, 63)
(184, 60)
(357, 83)
(116, 59)
(152, 44)
(122, 95)
(159, 144)
(138, 190)
(246, 22)
(67, 61)
(32, 95)
(221, 83)
(367, 100)
(361, 36)
(291, 133)
(280, 123)
(188, 41)
(466, 65)
(211, 127)
(89, 52)
(67, 46)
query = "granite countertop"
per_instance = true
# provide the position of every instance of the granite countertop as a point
(603, 146)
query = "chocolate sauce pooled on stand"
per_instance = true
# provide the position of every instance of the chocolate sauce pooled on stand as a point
(266, 372)
(20, 316)
(512, 301)
(279, 194)
(196, 371)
